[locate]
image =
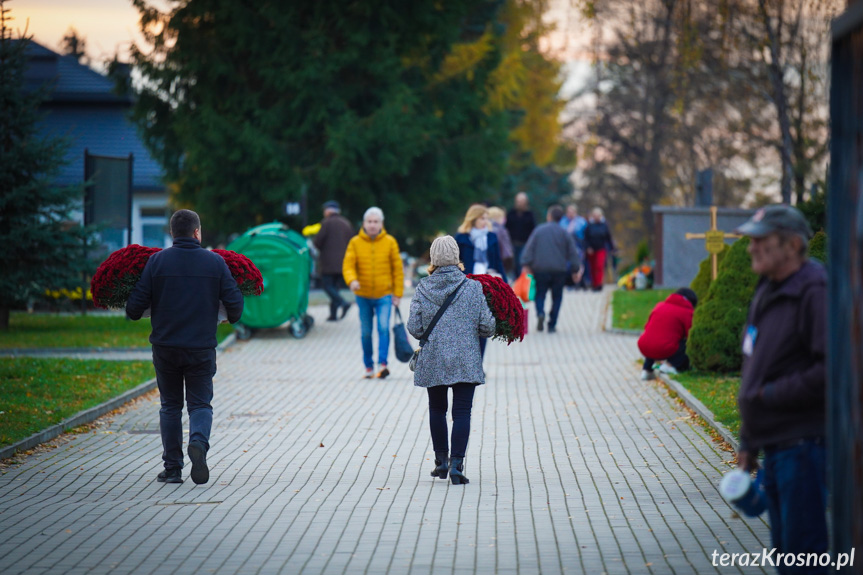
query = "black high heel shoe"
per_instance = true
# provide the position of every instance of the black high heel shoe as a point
(456, 466)
(441, 461)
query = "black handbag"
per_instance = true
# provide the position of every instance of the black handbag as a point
(404, 350)
(425, 337)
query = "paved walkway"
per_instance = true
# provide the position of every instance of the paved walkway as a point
(576, 466)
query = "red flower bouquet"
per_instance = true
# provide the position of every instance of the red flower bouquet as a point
(504, 305)
(115, 279)
(248, 276)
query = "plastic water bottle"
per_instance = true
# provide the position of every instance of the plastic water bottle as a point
(746, 494)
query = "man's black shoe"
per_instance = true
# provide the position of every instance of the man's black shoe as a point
(345, 309)
(540, 322)
(332, 318)
(198, 454)
(552, 329)
(170, 476)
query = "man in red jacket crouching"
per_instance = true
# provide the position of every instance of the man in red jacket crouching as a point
(664, 337)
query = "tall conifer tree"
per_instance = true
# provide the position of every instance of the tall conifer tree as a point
(42, 247)
(247, 104)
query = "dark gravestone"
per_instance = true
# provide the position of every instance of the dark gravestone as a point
(704, 188)
(677, 258)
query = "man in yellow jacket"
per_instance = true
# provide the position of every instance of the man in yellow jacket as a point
(373, 271)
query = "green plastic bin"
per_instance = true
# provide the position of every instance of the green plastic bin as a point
(285, 262)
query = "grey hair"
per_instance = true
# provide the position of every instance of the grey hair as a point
(373, 211)
(786, 235)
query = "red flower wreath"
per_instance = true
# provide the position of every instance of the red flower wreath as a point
(116, 277)
(248, 276)
(505, 307)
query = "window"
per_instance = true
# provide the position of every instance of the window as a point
(153, 234)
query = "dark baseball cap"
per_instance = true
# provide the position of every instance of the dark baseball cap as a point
(776, 218)
(332, 205)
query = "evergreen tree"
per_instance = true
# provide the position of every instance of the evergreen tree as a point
(716, 336)
(42, 247)
(818, 247)
(74, 45)
(247, 104)
(702, 280)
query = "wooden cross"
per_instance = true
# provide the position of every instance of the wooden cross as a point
(714, 239)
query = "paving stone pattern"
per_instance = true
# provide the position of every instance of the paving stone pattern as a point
(576, 466)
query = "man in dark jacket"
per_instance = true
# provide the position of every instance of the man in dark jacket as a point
(182, 286)
(520, 224)
(782, 392)
(332, 242)
(549, 253)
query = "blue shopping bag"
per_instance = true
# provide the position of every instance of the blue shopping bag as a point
(404, 350)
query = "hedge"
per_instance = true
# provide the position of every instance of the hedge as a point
(717, 326)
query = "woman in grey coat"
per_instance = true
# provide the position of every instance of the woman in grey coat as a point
(451, 357)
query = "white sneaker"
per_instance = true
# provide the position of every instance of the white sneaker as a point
(647, 375)
(667, 369)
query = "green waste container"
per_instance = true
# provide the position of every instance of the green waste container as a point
(285, 262)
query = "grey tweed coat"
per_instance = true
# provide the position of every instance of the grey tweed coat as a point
(452, 353)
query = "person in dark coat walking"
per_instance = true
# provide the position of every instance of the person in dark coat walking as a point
(598, 242)
(782, 394)
(665, 334)
(332, 242)
(550, 255)
(451, 359)
(520, 223)
(182, 286)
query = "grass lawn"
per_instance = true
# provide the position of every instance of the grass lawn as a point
(718, 392)
(38, 393)
(45, 330)
(631, 308)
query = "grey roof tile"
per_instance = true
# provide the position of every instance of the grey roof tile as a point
(82, 106)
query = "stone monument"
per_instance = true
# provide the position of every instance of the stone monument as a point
(677, 258)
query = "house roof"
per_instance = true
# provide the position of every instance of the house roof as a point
(65, 80)
(102, 131)
(81, 106)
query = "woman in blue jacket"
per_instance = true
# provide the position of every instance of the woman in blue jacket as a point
(478, 247)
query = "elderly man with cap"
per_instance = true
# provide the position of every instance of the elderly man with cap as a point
(332, 242)
(450, 358)
(782, 392)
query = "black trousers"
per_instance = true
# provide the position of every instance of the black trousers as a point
(331, 284)
(180, 370)
(462, 401)
(679, 361)
(555, 281)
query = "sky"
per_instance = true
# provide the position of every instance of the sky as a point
(110, 27)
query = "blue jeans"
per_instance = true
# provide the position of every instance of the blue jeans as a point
(795, 481)
(192, 371)
(368, 309)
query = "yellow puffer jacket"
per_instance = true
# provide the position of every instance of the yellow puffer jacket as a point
(376, 264)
